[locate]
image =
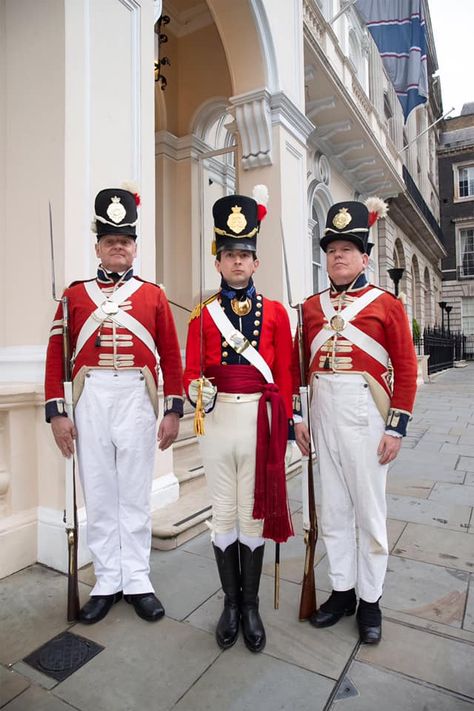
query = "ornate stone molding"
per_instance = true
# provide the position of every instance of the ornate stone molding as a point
(253, 117)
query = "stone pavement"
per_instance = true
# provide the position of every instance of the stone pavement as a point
(424, 662)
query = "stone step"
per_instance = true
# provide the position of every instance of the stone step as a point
(177, 523)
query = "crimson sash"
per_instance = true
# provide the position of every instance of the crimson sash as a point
(270, 497)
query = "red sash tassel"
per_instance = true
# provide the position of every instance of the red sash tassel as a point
(270, 496)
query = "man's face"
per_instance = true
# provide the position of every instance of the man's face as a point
(344, 261)
(236, 266)
(116, 252)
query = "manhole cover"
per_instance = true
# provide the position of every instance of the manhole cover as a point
(63, 655)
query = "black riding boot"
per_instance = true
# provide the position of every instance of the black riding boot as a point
(228, 566)
(251, 570)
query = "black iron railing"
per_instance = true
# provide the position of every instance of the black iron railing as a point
(444, 348)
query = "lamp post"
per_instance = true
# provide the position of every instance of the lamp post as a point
(442, 305)
(395, 275)
(448, 311)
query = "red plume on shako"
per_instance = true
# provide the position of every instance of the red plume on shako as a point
(377, 208)
(260, 195)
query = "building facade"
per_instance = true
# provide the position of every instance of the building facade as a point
(288, 93)
(456, 183)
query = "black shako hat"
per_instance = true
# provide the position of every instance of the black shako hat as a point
(351, 221)
(116, 211)
(237, 220)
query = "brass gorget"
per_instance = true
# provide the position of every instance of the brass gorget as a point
(241, 308)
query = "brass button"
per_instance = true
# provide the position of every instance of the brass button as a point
(258, 313)
(224, 344)
(254, 343)
(223, 363)
(256, 332)
(256, 323)
(225, 354)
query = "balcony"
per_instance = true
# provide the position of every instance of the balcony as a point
(421, 204)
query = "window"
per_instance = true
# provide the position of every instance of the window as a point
(318, 257)
(467, 252)
(468, 315)
(465, 181)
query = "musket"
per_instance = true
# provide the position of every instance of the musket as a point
(70, 511)
(310, 520)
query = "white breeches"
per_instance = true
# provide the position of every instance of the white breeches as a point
(228, 454)
(347, 429)
(116, 443)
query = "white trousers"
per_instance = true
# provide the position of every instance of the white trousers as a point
(228, 454)
(116, 444)
(347, 429)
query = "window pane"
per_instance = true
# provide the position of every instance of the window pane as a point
(315, 278)
(467, 252)
(466, 182)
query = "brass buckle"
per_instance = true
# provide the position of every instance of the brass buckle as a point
(238, 342)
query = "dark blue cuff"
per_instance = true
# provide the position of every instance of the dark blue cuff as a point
(54, 408)
(397, 421)
(173, 404)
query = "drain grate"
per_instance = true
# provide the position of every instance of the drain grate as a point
(63, 655)
(346, 690)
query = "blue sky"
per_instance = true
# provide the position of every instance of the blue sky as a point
(453, 26)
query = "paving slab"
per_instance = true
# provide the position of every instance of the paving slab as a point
(398, 693)
(466, 450)
(436, 545)
(292, 556)
(426, 590)
(437, 438)
(11, 685)
(241, 681)
(37, 699)
(420, 468)
(182, 580)
(394, 531)
(424, 656)
(453, 493)
(144, 666)
(32, 610)
(466, 463)
(419, 488)
(469, 481)
(433, 513)
(322, 651)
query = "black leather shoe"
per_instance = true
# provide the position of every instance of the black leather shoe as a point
(147, 606)
(97, 607)
(339, 604)
(369, 622)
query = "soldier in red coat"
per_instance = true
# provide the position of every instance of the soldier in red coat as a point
(359, 413)
(117, 324)
(237, 367)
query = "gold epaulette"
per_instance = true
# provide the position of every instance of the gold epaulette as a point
(198, 308)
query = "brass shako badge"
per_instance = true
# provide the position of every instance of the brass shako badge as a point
(342, 219)
(236, 220)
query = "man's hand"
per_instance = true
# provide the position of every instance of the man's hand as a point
(302, 438)
(64, 434)
(168, 430)
(388, 448)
